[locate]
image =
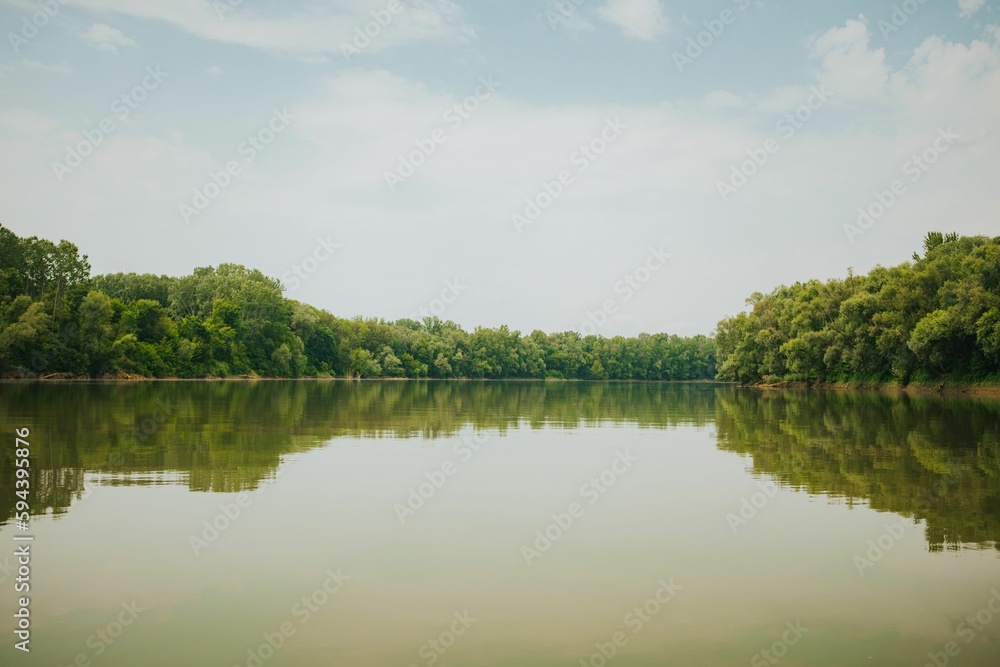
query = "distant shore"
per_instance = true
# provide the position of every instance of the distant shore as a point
(976, 389)
(330, 378)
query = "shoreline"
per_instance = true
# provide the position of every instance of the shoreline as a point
(326, 378)
(970, 389)
(942, 388)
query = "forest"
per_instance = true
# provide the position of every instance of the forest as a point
(931, 321)
(58, 321)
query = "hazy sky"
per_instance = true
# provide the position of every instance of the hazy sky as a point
(629, 124)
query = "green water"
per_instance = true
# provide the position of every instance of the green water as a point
(404, 523)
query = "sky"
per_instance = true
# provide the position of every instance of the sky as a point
(605, 166)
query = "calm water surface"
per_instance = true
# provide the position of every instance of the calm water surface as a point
(529, 523)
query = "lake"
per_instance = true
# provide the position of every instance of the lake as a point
(501, 523)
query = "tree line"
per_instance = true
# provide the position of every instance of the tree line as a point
(58, 320)
(935, 319)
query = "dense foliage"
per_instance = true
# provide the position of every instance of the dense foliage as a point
(230, 320)
(931, 320)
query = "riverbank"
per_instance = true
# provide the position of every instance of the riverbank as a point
(129, 378)
(977, 389)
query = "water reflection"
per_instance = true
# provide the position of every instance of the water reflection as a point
(928, 457)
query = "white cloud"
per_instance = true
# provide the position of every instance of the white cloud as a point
(55, 68)
(306, 29)
(642, 19)
(848, 66)
(215, 70)
(721, 99)
(27, 123)
(564, 15)
(970, 7)
(105, 38)
(656, 184)
(781, 99)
